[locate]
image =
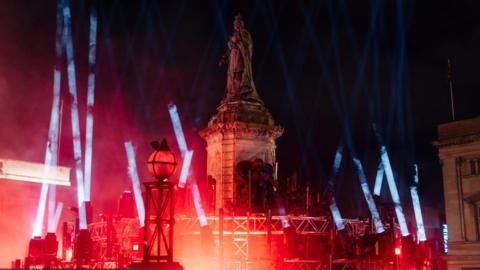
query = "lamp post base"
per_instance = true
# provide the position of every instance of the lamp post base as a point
(155, 266)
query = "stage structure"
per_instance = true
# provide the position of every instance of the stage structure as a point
(242, 128)
(159, 211)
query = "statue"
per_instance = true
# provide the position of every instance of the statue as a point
(240, 85)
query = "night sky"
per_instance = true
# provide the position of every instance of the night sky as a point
(307, 66)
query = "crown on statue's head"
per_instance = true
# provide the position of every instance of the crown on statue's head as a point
(238, 19)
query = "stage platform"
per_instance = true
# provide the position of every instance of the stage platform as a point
(254, 241)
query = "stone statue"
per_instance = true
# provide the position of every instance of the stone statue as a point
(240, 85)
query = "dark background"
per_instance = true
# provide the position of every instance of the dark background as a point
(306, 58)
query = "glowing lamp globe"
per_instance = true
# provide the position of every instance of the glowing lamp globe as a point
(162, 162)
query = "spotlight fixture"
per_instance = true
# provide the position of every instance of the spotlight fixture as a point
(35, 247)
(83, 247)
(50, 245)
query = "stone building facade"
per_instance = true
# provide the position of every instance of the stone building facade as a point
(459, 152)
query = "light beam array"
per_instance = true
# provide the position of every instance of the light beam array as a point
(187, 157)
(52, 144)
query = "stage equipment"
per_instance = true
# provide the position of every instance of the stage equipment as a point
(50, 247)
(35, 250)
(398, 253)
(42, 252)
(212, 189)
(408, 247)
(16, 264)
(83, 248)
(292, 240)
(34, 172)
(68, 254)
(116, 239)
(137, 191)
(242, 187)
(88, 211)
(67, 251)
(159, 221)
(162, 162)
(254, 187)
(126, 205)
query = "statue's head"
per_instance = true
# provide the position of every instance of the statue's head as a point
(238, 22)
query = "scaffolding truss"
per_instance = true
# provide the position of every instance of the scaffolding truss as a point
(159, 222)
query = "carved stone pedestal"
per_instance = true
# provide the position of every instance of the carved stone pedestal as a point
(241, 130)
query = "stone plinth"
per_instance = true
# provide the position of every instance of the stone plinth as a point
(241, 130)
(459, 152)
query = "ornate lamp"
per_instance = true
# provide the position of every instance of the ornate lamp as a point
(159, 211)
(162, 162)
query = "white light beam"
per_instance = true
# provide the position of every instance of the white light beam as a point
(337, 217)
(137, 191)
(177, 128)
(391, 184)
(421, 236)
(72, 87)
(185, 169)
(182, 144)
(393, 191)
(90, 101)
(378, 180)
(368, 196)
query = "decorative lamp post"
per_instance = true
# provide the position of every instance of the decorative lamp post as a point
(159, 211)
(162, 162)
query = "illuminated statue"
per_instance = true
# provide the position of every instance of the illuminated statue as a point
(242, 128)
(240, 85)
